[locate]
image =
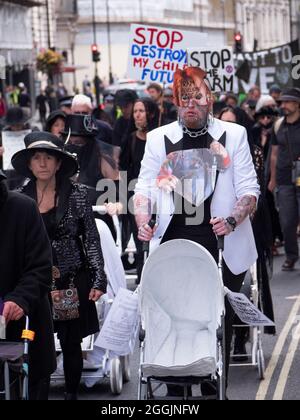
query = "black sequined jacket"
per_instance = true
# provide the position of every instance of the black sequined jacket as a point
(75, 241)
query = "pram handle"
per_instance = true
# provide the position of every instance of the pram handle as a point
(100, 209)
(146, 245)
(221, 243)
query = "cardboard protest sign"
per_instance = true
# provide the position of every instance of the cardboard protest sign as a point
(279, 65)
(218, 63)
(156, 53)
(13, 142)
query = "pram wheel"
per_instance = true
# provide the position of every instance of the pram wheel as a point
(261, 364)
(125, 368)
(116, 376)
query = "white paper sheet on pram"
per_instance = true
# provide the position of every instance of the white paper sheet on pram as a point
(116, 280)
(119, 331)
(182, 304)
(112, 262)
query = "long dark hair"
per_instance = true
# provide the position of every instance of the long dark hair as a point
(152, 112)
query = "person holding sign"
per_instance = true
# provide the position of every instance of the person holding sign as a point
(227, 198)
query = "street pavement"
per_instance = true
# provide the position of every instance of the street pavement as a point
(282, 354)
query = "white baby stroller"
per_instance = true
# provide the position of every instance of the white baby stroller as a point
(100, 364)
(182, 311)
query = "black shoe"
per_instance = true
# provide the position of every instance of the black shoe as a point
(70, 397)
(208, 389)
(240, 353)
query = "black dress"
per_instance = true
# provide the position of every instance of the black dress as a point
(76, 251)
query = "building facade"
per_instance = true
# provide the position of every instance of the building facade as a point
(264, 23)
(67, 30)
(16, 41)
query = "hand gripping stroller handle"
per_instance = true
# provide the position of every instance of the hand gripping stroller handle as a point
(146, 245)
(221, 243)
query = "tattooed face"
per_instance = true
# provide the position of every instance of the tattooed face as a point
(194, 105)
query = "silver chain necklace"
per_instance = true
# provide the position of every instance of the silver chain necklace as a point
(195, 134)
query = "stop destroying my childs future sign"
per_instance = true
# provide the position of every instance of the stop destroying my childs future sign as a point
(156, 53)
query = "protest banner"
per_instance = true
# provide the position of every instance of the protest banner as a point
(218, 63)
(279, 65)
(155, 53)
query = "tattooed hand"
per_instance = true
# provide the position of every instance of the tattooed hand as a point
(142, 210)
(245, 207)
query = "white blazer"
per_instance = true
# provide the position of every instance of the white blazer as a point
(238, 180)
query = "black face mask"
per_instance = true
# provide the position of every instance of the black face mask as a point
(74, 148)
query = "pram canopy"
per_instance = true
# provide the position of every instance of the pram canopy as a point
(182, 303)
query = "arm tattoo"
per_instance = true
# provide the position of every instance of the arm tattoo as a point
(244, 207)
(142, 210)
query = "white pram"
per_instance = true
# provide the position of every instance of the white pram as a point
(182, 309)
(99, 363)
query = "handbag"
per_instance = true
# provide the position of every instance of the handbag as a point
(65, 303)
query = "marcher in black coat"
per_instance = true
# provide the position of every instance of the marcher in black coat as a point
(25, 280)
(71, 227)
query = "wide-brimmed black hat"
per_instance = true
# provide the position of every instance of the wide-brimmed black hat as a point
(53, 117)
(42, 141)
(80, 125)
(290, 95)
(266, 110)
(14, 116)
(124, 97)
(2, 176)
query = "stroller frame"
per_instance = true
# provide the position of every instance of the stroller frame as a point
(21, 362)
(149, 385)
(256, 333)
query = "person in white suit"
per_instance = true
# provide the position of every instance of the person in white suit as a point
(226, 209)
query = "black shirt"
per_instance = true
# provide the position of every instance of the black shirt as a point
(180, 227)
(287, 134)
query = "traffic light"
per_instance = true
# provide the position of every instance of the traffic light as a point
(95, 53)
(238, 39)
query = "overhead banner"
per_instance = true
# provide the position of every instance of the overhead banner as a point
(155, 53)
(219, 65)
(279, 65)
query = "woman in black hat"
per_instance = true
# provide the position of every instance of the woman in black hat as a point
(71, 227)
(55, 123)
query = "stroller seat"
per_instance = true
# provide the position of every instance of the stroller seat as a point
(11, 352)
(11, 366)
(182, 304)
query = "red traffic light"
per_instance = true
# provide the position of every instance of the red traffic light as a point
(238, 37)
(96, 56)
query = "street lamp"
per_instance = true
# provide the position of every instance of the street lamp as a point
(96, 79)
(111, 79)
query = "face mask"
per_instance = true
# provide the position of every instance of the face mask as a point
(74, 148)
